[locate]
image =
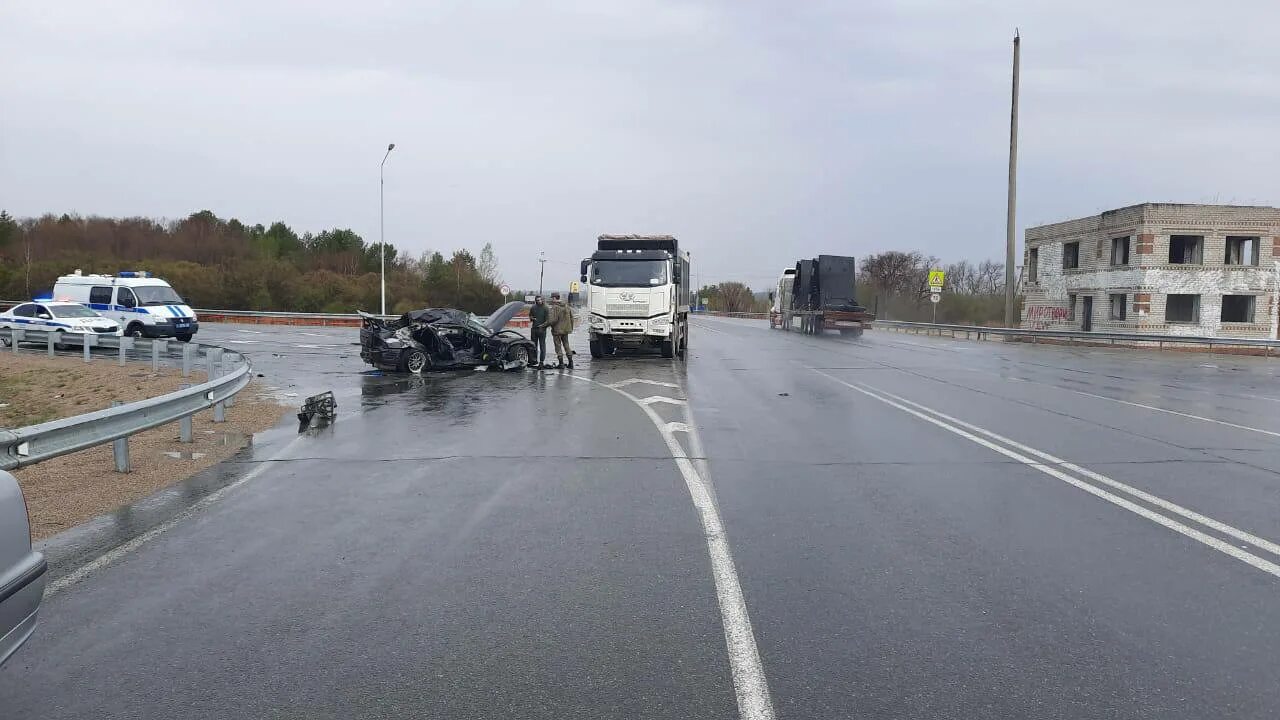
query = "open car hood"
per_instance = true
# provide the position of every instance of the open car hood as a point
(502, 315)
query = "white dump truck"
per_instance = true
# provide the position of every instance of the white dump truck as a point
(637, 294)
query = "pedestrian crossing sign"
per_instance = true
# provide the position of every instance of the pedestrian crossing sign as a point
(936, 278)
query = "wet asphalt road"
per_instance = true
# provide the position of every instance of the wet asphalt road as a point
(522, 544)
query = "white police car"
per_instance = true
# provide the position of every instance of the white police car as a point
(63, 317)
(145, 306)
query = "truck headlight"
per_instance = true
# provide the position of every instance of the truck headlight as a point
(661, 322)
(597, 321)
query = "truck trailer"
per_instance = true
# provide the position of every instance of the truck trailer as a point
(637, 294)
(818, 295)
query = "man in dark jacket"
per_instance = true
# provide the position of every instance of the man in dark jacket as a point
(539, 319)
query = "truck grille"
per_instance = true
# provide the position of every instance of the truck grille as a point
(626, 310)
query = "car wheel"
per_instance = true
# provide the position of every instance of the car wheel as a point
(415, 361)
(185, 337)
(134, 330)
(596, 352)
(57, 341)
(518, 354)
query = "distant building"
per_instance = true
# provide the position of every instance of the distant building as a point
(1157, 268)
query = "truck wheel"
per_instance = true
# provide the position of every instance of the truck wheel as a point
(668, 348)
(596, 352)
(851, 332)
(684, 341)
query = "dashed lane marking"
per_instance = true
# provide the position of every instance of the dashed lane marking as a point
(1179, 414)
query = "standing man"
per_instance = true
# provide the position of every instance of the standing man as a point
(539, 319)
(561, 326)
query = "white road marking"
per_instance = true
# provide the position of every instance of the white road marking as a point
(244, 342)
(632, 381)
(749, 682)
(118, 552)
(1180, 414)
(659, 399)
(1213, 542)
(1160, 502)
(316, 347)
(677, 427)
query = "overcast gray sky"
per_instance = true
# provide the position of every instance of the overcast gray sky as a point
(757, 132)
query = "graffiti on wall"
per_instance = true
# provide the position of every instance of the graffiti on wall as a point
(1040, 317)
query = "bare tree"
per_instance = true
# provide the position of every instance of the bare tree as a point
(735, 297)
(990, 277)
(962, 278)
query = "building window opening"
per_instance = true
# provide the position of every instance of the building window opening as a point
(1186, 249)
(1237, 308)
(1033, 265)
(1242, 251)
(1182, 309)
(1120, 251)
(1070, 256)
(1117, 306)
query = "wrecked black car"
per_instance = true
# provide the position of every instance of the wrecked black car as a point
(443, 338)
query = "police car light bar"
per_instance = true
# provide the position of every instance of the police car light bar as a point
(133, 274)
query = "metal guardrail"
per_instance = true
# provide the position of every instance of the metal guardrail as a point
(982, 332)
(27, 445)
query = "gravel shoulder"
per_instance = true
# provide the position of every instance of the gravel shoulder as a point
(66, 491)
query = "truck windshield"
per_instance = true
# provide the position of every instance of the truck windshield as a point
(629, 273)
(157, 295)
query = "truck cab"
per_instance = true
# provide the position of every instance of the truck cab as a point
(637, 294)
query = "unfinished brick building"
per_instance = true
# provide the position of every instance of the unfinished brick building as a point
(1160, 268)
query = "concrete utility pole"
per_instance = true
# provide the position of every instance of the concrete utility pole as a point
(542, 269)
(1009, 240)
(382, 226)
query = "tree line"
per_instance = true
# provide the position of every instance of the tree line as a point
(226, 264)
(895, 284)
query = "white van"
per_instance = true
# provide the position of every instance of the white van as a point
(145, 306)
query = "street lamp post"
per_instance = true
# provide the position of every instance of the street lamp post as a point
(542, 269)
(382, 225)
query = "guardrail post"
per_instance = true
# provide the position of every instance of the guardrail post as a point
(184, 423)
(187, 351)
(49, 343)
(213, 356)
(231, 399)
(126, 344)
(155, 356)
(120, 448)
(87, 340)
(15, 337)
